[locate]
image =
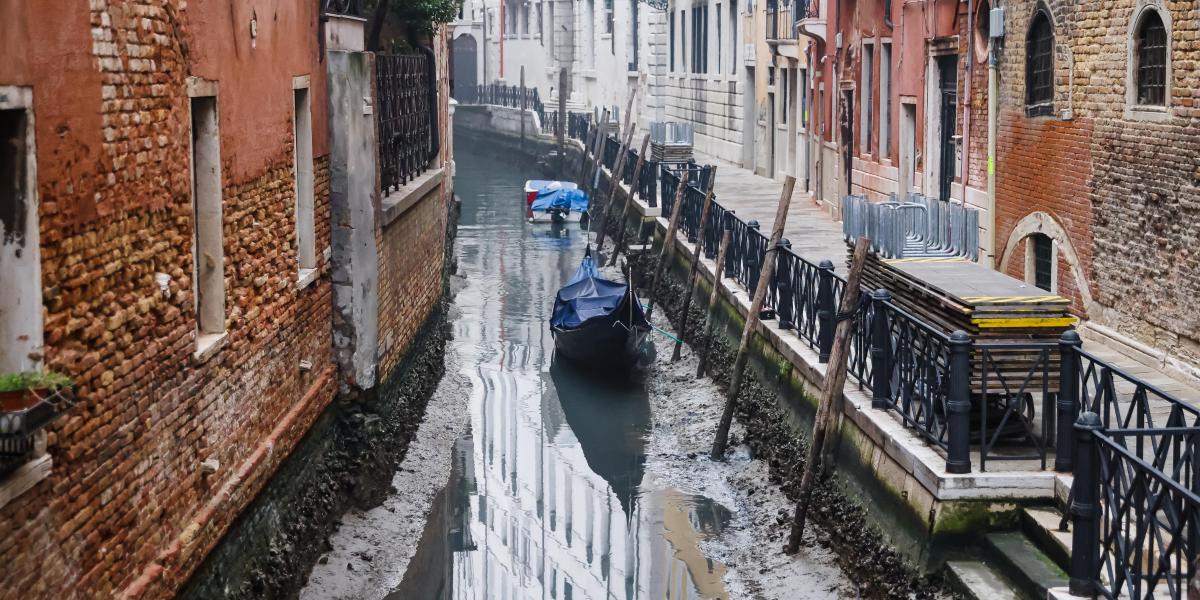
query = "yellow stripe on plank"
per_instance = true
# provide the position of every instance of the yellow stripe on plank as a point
(1024, 323)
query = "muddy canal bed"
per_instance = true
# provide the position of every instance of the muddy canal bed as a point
(531, 479)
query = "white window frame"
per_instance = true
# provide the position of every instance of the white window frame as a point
(866, 97)
(885, 97)
(210, 330)
(305, 185)
(22, 324)
(1147, 112)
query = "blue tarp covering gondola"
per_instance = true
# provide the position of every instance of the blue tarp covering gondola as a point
(585, 296)
(563, 197)
(598, 322)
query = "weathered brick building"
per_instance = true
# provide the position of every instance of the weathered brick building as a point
(1099, 155)
(168, 189)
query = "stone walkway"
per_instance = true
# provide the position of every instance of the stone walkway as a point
(816, 236)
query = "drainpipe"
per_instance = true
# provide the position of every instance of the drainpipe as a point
(966, 101)
(993, 117)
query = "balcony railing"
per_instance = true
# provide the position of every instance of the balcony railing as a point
(407, 119)
(511, 96)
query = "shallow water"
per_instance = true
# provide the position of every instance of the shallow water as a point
(548, 496)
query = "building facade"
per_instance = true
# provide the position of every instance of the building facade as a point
(170, 171)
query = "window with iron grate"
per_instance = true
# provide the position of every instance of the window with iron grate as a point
(1151, 43)
(1039, 66)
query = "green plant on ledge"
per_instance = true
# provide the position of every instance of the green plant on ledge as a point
(22, 391)
(33, 380)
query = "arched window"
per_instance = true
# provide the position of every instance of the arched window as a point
(1039, 66)
(1151, 53)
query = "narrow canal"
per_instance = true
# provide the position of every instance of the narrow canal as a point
(549, 495)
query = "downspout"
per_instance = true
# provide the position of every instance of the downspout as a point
(993, 117)
(503, 24)
(966, 101)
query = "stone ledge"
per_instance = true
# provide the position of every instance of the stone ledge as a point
(399, 201)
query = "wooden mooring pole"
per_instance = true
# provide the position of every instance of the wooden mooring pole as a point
(668, 246)
(614, 178)
(706, 338)
(633, 187)
(597, 152)
(756, 304)
(695, 272)
(522, 106)
(562, 122)
(831, 392)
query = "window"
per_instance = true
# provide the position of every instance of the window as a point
(733, 32)
(783, 113)
(699, 58)
(1151, 52)
(1040, 262)
(683, 41)
(719, 67)
(865, 101)
(20, 250)
(1039, 66)
(608, 16)
(541, 23)
(208, 248)
(885, 97)
(671, 41)
(306, 243)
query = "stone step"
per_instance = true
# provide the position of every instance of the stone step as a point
(1023, 562)
(1041, 525)
(977, 580)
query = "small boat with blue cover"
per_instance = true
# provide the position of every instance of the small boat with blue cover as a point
(554, 202)
(599, 323)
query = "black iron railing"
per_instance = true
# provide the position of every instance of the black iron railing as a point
(1136, 497)
(353, 8)
(512, 96)
(407, 117)
(1135, 515)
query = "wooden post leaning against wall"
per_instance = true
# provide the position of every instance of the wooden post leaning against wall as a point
(614, 178)
(756, 304)
(705, 209)
(633, 187)
(668, 246)
(713, 297)
(831, 391)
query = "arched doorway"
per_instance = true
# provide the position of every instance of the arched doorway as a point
(464, 75)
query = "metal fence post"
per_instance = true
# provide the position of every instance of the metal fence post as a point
(958, 405)
(881, 350)
(750, 256)
(1085, 508)
(784, 301)
(1068, 401)
(825, 310)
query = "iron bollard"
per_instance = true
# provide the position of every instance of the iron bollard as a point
(1085, 510)
(958, 405)
(1068, 401)
(783, 287)
(881, 350)
(826, 316)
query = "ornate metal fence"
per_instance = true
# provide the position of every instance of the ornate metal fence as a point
(512, 96)
(407, 99)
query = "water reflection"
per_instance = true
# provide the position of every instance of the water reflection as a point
(546, 498)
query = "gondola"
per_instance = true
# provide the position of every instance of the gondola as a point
(554, 202)
(599, 324)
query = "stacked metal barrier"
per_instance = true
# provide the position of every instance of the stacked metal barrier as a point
(919, 228)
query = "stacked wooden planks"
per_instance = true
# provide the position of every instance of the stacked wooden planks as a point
(670, 153)
(952, 294)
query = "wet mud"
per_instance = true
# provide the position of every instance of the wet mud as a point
(762, 427)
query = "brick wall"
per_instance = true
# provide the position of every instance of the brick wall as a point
(126, 507)
(410, 275)
(1122, 183)
(1043, 164)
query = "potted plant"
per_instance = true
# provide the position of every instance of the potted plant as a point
(21, 391)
